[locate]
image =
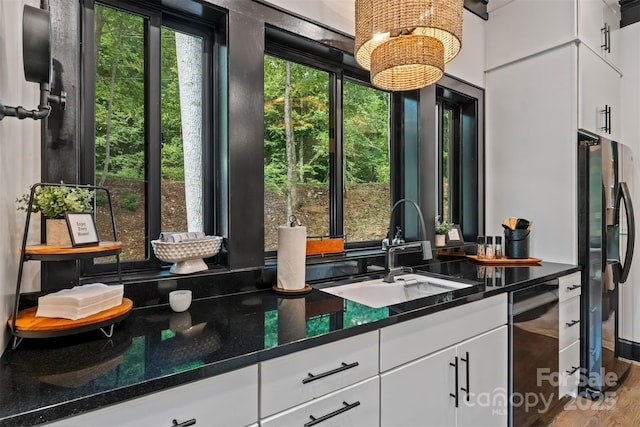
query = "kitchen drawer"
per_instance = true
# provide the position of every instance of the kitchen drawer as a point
(569, 321)
(569, 368)
(419, 337)
(229, 399)
(356, 405)
(298, 377)
(570, 286)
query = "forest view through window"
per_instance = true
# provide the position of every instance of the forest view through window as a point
(130, 160)
(300, 169)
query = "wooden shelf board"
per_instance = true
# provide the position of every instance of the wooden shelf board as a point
(60, 250)
(27, 322)
(506, 261)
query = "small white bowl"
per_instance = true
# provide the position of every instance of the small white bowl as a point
(180, 300)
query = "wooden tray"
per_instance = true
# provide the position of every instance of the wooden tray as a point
(325, 245)
(30, 326)
(506, 261)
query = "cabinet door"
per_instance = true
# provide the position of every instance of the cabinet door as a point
(599, 91)
(598, 28)
(522, 28)
(229, 399)
(419, 393)
(483, 378)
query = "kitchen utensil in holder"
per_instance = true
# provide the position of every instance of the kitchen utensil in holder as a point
(516, 243)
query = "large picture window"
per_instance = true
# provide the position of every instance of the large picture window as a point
(150, 128)
(326, 152)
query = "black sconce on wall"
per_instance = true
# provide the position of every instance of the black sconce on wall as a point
(36, 50)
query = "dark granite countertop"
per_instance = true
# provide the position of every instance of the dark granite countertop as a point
(155, 348)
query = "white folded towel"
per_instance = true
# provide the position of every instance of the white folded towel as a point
(174, 237)
(80, 301)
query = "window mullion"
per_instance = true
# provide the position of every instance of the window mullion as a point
(336, 155)
(153, 126)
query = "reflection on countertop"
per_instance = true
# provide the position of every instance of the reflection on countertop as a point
(155, 348)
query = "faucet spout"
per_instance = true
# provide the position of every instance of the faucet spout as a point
(391, 270)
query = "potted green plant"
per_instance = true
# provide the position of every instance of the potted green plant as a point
(442, 228)
(53, 201)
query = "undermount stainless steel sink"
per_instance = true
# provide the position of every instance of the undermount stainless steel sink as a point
(377, 293)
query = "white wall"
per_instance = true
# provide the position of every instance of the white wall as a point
(468, 65)
(19, 159)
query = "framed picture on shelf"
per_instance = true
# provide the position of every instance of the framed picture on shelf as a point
(455, 235)
(82, 229)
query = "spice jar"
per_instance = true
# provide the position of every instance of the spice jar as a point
(480, 247)
(488, 248)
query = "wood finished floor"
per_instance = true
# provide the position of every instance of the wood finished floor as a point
(621, 410)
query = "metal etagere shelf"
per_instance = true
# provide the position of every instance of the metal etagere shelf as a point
(24, 323)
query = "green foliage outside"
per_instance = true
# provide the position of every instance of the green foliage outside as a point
(365, 127)
(130, 199)
(120, 97)
(120, 112)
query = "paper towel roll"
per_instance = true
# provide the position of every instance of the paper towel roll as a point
(292, 244)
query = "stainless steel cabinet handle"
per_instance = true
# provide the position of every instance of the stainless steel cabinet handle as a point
(606, 32)
(572, 323)
(344, 367)
(570, 288)
(607, 119)
(455, 366)
(345, 408)
(190, 422)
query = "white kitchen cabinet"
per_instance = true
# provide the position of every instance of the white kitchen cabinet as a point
(355, 406)
(413, 339)
(599, 28)
(599, 91)
(522, 28)
(463, 385)
(535, 103)
(483, 360)
(296, 378)
(419, 393)
(569, 334)
(230, 399)
(419, 360)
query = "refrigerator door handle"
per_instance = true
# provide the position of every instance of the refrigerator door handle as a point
(623, 194)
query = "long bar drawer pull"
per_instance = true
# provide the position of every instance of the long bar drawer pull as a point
(190, 422)
(570, 288)
(466, 390)
(345, 408)
(573, 370)
(572, 323)
(344, 367)
(455, 395)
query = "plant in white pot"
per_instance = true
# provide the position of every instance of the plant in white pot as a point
(442, 228)
(53, 201)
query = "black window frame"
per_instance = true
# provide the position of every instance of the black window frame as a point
(211, 26)
(341, 66)
(466, 189)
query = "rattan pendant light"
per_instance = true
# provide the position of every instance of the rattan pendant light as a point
(405, 43)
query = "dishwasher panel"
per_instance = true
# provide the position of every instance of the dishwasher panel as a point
(534, 351)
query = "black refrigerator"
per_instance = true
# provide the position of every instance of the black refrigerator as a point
(606, 234)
